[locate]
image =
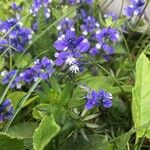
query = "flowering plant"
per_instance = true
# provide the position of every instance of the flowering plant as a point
(67, 71)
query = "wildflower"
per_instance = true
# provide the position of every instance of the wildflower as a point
(16, 7)
(44, 68)
(72, 2)
(41, 69)
(2, 44)
(18, 37)
(72, 43)
(8, 76)
(105, 37)
(37, 4)
(64, 25)
(28, 75)
(34, 26)
(135, 8)
(98, 98)
(6, 110)
(90, 24)
(70, 49)
(113, 16)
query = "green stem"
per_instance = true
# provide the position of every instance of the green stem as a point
(21, 104)
(7, 88)
(10, 59)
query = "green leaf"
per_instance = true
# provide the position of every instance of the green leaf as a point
(66, 93)
(141, 95)
(97, 82)
(109, 21)
(96, 142)
(27, 59)
(55, 85)
(121, 141)
(40, 111)
(16, 97)
(8, 143)
(46, 131)
(23, 131)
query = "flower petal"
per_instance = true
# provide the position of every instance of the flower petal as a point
(107, 103)
(60, 45)
(70, 35)
(59, 61)
(89, 105)
(84, 46)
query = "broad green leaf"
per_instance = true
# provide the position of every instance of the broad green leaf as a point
(77, 99)
(8, 143)
(23, 131)
(55, 85)
(46, 131)
(27, 59)
(121, 141)
(96, 142)
(16, 97)
(97, 82)
(48, 94)
(141, 95)
(40, 111)
(66, 93)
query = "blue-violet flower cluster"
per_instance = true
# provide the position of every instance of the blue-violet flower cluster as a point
(18, 37)
(70, 48)
(95, 99)
(135, 8)
(73, 2)
(42, 69)
(6, 110)
(36, 6)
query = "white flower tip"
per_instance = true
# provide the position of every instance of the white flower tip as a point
(98, 46)
(58, 27)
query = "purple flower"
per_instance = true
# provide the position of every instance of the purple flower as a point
(8, 76)
(28, 75)
(90, 24)
(92, 100)
(105, 37)
(6, 110)
(2, 43)
(15, 7)
(73, 2)
(98, 98)
(18, 37)
(106, 98)
(47, 13)
(44, 68)
(34, 26)
(112, 15)
(41, 69)
(37, 4)
(72, 43)
(64, 25)
(70, 48)
(135, 8)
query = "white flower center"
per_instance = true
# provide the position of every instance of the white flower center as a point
(74, 68)
(70, 60)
